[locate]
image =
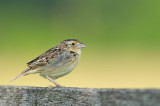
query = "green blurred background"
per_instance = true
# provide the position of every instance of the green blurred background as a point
(122, 38)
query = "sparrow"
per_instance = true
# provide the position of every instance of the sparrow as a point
(56, 62)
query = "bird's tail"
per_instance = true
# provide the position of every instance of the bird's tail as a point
(22, 74)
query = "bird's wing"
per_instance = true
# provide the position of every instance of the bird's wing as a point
(45, 58)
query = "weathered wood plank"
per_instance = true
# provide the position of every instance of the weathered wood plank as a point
(43, 96)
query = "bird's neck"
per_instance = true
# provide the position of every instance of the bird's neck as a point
(78, 52)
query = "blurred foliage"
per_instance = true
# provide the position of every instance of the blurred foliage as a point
(122, 38)
(103, 23)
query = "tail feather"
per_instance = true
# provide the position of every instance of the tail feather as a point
(22, 74)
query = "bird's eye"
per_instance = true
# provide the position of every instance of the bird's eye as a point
(73, 44)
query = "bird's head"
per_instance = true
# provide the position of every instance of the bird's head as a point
(73, 44)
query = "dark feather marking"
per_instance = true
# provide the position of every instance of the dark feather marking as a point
(72, 40)
(33, 60)
(46, 56)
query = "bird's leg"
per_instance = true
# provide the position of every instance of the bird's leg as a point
(57, 84)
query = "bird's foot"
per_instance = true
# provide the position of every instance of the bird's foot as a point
(51, 86)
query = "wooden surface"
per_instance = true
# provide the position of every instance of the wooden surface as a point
(43, 96)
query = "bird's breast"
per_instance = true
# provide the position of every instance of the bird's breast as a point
(62, 65)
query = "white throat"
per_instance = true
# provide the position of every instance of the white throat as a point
(79, 52)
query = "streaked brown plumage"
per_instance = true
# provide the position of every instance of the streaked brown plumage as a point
(57, 61)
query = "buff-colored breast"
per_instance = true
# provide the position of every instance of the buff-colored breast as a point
(61, 66)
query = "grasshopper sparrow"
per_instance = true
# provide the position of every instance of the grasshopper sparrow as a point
(57, 61)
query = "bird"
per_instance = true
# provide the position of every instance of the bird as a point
(56, 62)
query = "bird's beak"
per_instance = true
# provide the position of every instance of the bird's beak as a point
(81, 45)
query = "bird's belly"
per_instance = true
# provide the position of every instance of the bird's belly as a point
(55, 71)
(61, 72)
